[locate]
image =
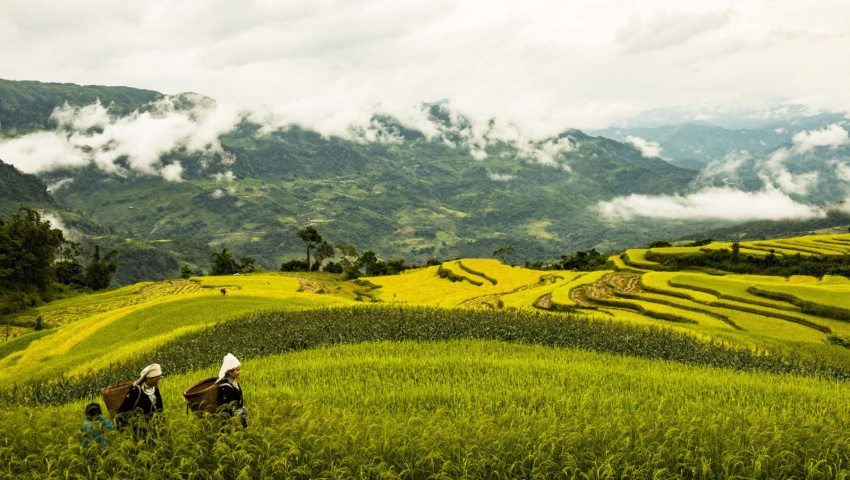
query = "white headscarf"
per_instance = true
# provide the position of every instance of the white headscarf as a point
(230, 362)
(151, 371)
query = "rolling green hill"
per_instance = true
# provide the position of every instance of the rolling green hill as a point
(26, 106)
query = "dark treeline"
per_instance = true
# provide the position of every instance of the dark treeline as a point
(276, 332)
(731, 260)
(35, 258)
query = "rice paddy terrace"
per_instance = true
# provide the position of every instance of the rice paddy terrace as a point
(467, 369)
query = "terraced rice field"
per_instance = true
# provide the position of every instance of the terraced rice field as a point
(101, 329)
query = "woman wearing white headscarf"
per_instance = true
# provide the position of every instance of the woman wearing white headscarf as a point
(143, 398)
(229, 391)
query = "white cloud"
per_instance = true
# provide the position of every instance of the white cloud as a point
(42, 151)
(842, 171)
(172, 173)
(667, 29)
(59, 184)
(82, 118)
(545, 153)
(711, 203)
(68, 232)
(500, 177)
(728, 165)
(142, 138)
(541, 64)
(832, 136)
(647, 149)
(227, 176)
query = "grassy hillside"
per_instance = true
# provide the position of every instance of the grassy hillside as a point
(26, 106)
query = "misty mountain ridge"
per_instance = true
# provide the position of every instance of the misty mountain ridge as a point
(165, 169)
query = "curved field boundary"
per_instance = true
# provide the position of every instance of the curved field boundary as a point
(629, 287)
(67, 311)
(637, 257)
(819, 309)
(783, 250)
(809, 247)
(538, 295)
(663, 287)
(679, 283)
(679, 303)
(649, 311)
(752, 306)
(732, 305)
(620, 265)
(473, 272)
(453, 277)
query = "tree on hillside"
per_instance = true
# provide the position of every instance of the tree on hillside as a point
(349, 260)
(223, 263)
(185, 271)
(28, 247)
(583, 261)
(503, 253)
(311, 237)
(247, 265)
(369, 260)
(100, 270)
(323, 251)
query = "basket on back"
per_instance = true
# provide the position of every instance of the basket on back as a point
(113, 396)
(203, 396)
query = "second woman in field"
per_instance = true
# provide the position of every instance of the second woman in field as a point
(229, 391)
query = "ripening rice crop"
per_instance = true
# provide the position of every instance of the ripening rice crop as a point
(732, 287)
(824, 298)
(464, 409)
(427, 287)
(88, 345)
(424, 287)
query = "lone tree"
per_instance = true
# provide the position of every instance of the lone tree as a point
(100, 270)
(310, 236)
(503, 253)
(223, 263)
(323, 251)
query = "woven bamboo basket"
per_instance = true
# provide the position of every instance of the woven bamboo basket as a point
(113, 396)
(202, 396)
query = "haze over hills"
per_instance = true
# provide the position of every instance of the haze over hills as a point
(183, 168)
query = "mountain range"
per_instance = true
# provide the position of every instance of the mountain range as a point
(124, 169)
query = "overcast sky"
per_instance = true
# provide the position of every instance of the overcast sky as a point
(543, 65)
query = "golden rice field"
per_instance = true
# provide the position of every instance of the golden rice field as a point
(135, 318)
(462, 408)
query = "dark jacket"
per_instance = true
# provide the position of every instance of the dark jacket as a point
(230, 399)
(136, 401)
